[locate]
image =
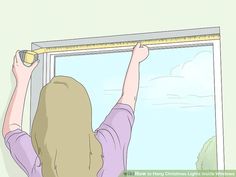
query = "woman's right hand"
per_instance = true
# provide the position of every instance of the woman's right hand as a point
(21, 72)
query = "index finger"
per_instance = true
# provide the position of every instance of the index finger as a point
(137, 45)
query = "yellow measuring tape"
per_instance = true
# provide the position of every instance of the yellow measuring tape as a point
(29, 56)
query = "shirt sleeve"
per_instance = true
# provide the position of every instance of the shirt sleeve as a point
(20, 146)
(119, 123)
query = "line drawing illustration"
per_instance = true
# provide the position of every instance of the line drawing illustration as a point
(149, 99)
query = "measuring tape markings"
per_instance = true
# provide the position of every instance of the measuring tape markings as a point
(30, 55)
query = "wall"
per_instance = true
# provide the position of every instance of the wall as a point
(23, 22)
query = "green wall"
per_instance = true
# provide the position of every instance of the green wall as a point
(23, 22)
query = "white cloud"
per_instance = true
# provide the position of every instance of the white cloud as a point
(188, 84)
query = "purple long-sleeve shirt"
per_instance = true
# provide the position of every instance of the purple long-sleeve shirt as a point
(113, 134)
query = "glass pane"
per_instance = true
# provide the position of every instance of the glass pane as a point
(175, 114)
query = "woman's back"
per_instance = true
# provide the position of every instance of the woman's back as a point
(113, 134)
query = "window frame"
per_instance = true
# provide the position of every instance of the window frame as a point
(46, 69)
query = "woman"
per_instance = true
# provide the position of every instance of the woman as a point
(62, 142)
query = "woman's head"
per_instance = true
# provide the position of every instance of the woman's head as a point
(62, 133)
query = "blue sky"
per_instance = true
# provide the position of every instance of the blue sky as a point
(175, 109)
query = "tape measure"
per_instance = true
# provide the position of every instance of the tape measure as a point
(29, 57)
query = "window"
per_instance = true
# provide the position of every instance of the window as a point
(179, 106)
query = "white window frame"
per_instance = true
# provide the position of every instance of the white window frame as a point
(46, 69)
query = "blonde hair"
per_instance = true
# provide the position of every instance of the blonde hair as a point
(62, 134)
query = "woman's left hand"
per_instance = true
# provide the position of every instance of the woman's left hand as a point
(140, 52)
(21, 72)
